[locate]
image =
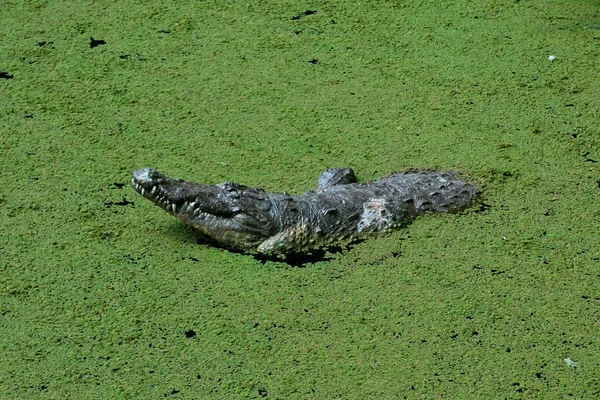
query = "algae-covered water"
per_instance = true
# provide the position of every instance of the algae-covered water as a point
(103, 295)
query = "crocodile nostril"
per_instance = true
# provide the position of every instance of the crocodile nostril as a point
(147, 175)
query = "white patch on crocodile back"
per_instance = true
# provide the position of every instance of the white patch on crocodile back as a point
(375, 216)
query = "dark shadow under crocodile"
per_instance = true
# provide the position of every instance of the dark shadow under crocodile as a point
(297, 259)
(283, 227)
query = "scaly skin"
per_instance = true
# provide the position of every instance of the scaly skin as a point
(252, 220)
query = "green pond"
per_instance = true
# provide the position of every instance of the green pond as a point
(105, 296)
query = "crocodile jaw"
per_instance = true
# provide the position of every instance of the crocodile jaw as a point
(217, 212)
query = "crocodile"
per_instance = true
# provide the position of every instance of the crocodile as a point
(251, 220)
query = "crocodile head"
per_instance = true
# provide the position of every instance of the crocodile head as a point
(229, 214)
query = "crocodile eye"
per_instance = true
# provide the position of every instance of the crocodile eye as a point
(230, 189)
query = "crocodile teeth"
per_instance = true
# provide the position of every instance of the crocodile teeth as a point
(154, 190)
(174, 207)
(142, 191)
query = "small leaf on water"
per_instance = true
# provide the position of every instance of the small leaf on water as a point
(570, 362)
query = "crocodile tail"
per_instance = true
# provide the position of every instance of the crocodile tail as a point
(442, 192)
